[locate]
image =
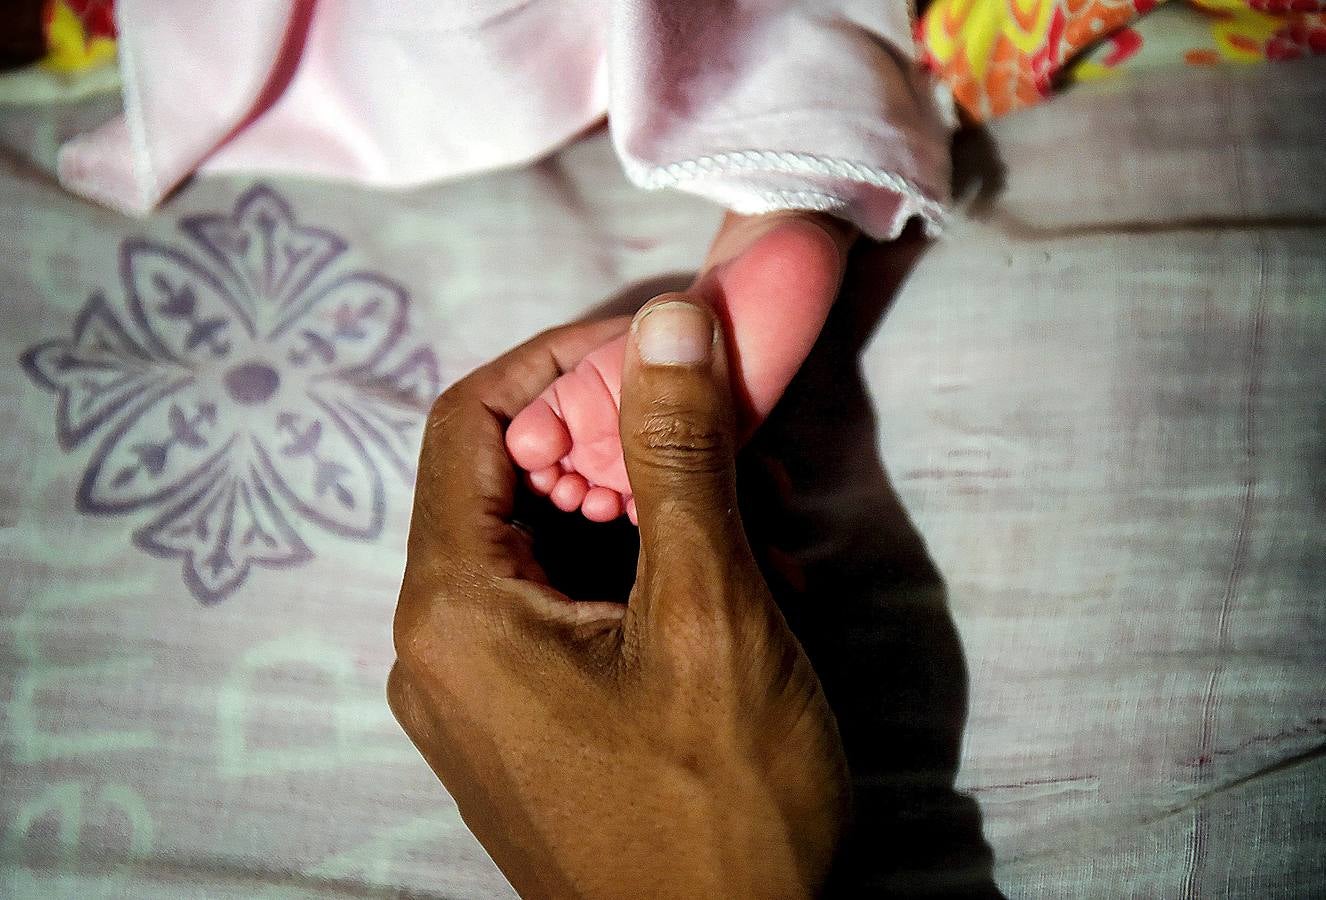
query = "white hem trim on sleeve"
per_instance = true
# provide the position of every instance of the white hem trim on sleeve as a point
(719, 164)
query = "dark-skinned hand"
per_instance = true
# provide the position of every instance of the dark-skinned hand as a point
(675, 746)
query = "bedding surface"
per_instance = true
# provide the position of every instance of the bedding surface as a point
(1055, 482)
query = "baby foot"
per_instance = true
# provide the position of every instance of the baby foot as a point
(568, 441)
(771, 280)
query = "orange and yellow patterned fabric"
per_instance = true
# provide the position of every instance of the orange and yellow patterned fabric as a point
(995, 55)
(80, 34)
(1001, 55)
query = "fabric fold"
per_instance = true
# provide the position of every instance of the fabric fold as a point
(801, 106)
(788, 106)
(184, 96)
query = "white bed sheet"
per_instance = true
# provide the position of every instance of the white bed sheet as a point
(1098, 422)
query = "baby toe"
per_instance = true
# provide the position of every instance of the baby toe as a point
(537, 438)
(601, 504)
(569, 492)
(544, 480)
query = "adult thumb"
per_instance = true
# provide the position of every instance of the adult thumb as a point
(678, 431)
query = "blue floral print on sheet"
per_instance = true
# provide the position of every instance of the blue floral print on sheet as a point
(256, 386)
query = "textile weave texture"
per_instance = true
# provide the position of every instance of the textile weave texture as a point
(1094, 410)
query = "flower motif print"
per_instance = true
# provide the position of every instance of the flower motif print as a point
(255, 387)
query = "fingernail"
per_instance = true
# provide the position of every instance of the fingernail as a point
(675, 334)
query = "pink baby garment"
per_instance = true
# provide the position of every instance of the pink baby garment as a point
(755, 105)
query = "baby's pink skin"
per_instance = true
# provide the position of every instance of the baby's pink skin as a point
(771, 279)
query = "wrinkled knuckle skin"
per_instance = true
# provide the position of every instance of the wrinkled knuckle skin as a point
(682, 441)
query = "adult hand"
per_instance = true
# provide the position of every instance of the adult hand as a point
(679, 745)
